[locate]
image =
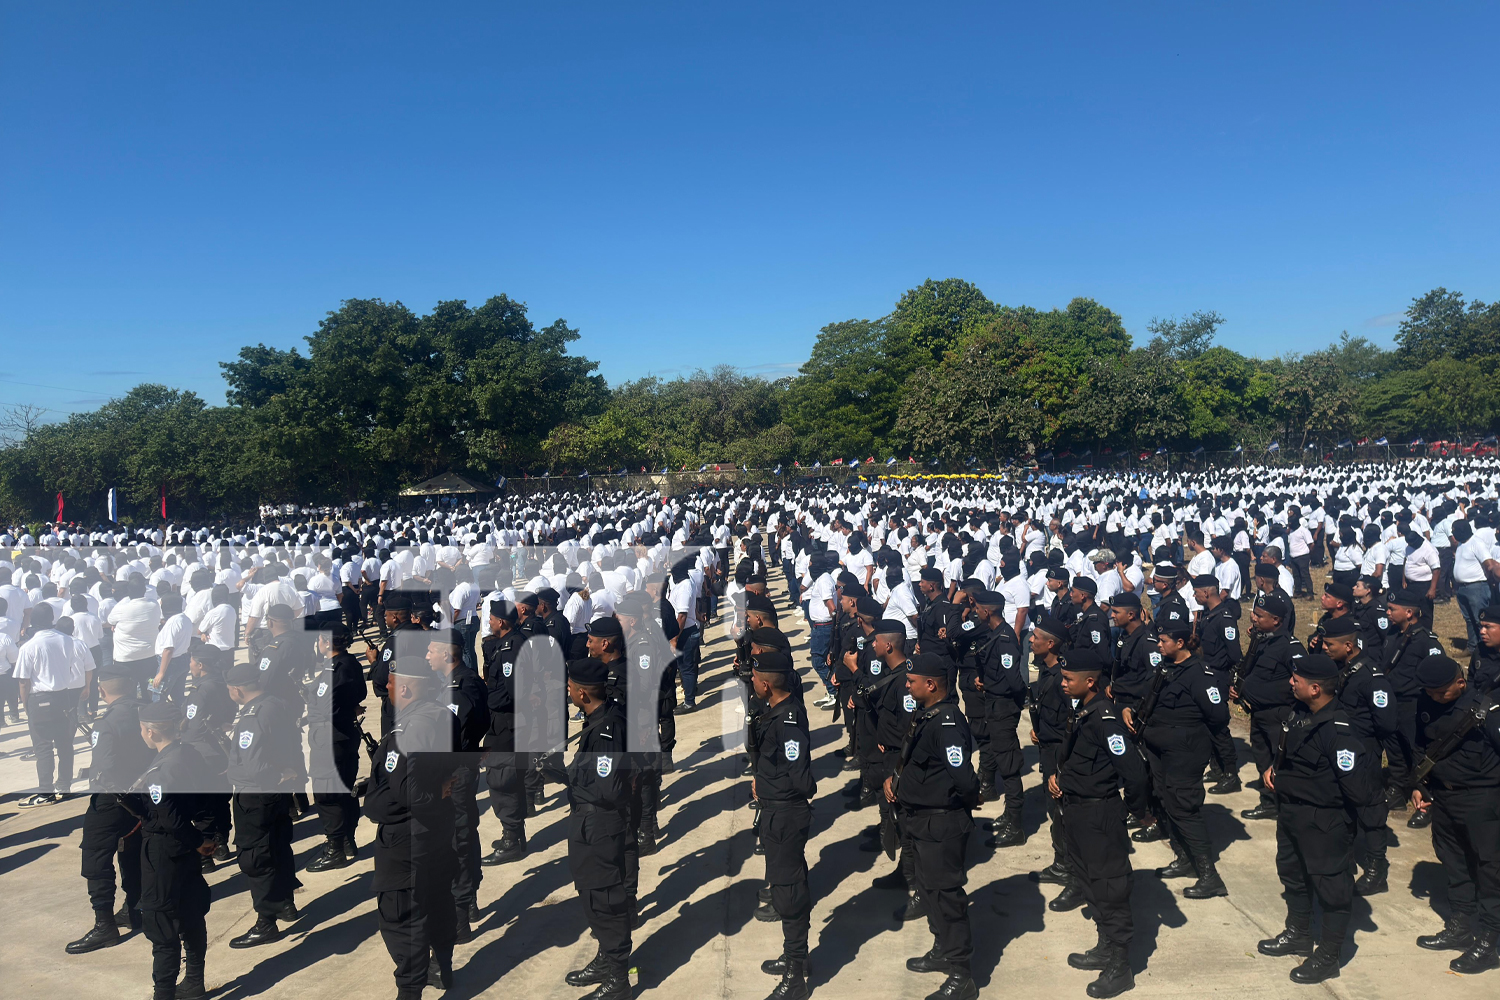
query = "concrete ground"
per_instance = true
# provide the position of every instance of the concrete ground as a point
(698, 938)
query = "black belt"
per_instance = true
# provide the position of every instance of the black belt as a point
(1081, 800)
(782, 803)
(908, 811)
(589, 807)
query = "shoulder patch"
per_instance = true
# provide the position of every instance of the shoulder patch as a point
(506, 668)
(265, 663)
(604, 765)
(908, 703)
(192, 710)
(1380, 698)
(1094, 635)
(645, 662)
(1116, 744)
(955, 755)
(1213, 695)
(246, 738)
(792, 749)
(390, 761)
(1007, 660)
(968, 626)
(874, 668)
(1345, 760)
(155, 791)
(94, 738)
(1230, 632)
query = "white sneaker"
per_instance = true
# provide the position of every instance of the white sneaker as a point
(827, 701)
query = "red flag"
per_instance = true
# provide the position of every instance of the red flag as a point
(59, 508)
(164, 501)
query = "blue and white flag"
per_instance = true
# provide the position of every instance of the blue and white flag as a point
(891, 460)
(584, 474)
(1382, 442)
(1238, 448)
(703, 467)
(1418, 442)
(776, 471)
(1161, 451)
(114, 505)
(1275, 446)
(499, 483)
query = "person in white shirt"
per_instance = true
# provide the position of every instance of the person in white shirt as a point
(54, 672)
(135, 621)
(10, 690)
(1422, 566)
(220, 626)
(1299, 541)
(173, 640)
(820, 597)
(1227, 572)
(464, 600)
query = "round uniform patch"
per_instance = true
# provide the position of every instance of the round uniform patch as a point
(874, 668)
(1345, 760)
(792, 749)
(506, 668)
(1213, 695)
(265, 663)
(1230, 632)
(322, 689)
(604, 765)
(390, 761)
(1380, 698)
(192, 710)
(955, 755)
(1007, 660)
(246, 738)
(968, 626)
(1116, 744)
(155, 791)
(909, 703)
(645, 663)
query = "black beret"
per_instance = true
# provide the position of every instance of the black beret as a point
(1490, 614)
(1205, 580)
(244, 675)
(161, 712)
(503, 610)
(1266, 571)
(1437, 671)
(927, 665)
(1057, 573)
(410, 666)
(1272, 604)
(607, 627)
(773, 662)
(1340, 591)
(890, 626)
(1315, 667)
(1174, 623)
(771, 637)
(547, 594)
(868, 607)
(526, 598)
(1165, 571)
(1086, 584)
(854, 591)
(1049, 625)
(588, 671)
(1340, 626)
(1081, 660)
(989, 599)
(1126, 599)
(931, 575)
(396, 600)
(338, 632)
(279, 613)
(446, 637)
(760, 603)
(1406, 598)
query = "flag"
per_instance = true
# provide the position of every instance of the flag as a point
(1274, 446)
(547, 474)
(1490, 440)
(1414, 444)
(1198, 450)
(703, 467)
(584, 474)
(665, 469)
(1381, 442)
(935, 462)
(60, 508)
(1310, 446)
(499, 483)
(972, 461)
(626, 472)
(837, 461)
(1045, 456)
(1238, 448)
(1346, 443)
(643, 469)
(853, 462)
(1087, 453)
(817, 465)
(113, 505)
(796, 463)
(776, 471)
(910, 460)
(1161, 451)
(891, 460)
(163, 502)
(1362, 442)
(717, 468)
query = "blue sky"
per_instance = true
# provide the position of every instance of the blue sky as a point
(708, 183)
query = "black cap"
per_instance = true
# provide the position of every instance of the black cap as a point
(770, 637)
(1049, 625)
(410, 666)
(1057, 573)
(1086, 584)
(989, 599)
(760, 603)
(1437, 671)
(1341, 626)
(503, 610)
(588, 671)
(547, 594)
(773, 662)
(244, 675)
(890, 626)
(1205, 580)
(1164, 571)
(1174, 623)
(1315, 667)
(161, 713)
(396, 600)
(1272, 604)
(445, 637)
(279, 613)
(526, 599)
(1406, 598)
(927, 665)
(607, 627)
(931, 575)
(1266, 571)
(1490, 614)
(1082, 660)
(1126, 599)
(868, 607)
(1339, 591)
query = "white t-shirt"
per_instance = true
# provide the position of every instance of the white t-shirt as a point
(820, 592)
(136, 622)
(176, 634)
(1228, 575)
(220, 625)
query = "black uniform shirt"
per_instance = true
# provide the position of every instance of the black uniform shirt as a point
(1475, 762)
(1136, 660)
(168, 800)
(1325, 763)
(500, 652)
(1190, 695)
(465, 695)
(936, 772)
(1219, 633)
(1404, 653)
(599, 775)
(120, 755)
(1091, 630)
(334, 692)
(1002, 668)
(1267, 672)
(1053, 708)
(783, 764)
(405, 796)
(265, 748)
(1099, 756)
(1366, 697)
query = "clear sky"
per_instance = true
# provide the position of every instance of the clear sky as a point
(710, 183)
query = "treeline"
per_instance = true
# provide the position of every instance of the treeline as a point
(383, 397)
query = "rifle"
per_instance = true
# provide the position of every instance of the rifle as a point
(1237, 680)
(1474, 717)
(1148, 703)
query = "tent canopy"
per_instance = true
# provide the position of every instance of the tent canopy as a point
(444, 485)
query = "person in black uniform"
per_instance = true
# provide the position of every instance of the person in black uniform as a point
(1218, 630)
(1134, 664)
(503, 766)
(937, 791)
(119, 757)
(784, 787)
(284, 657)
(265, 759)
(1091, 627)
(852, 671)
(1375, 625)
(885, 711)
(409, 797)
(397, 610)
(1268, 581)
(174, 897)
(654, 670)
(605, 642)
(1002, 678)
(1050, 710)
(1462, 791)
(1484, 665)
(1364, 693)
(334, 693)
(1095, 761)
(1262, 687)
(599, 794)
(938, 619)
(1322, 777)
(207, 712)
(462, 692)
(1185, 702)
(1403, 656)
(552, 621)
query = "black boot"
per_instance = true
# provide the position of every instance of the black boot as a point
(1115, 978)
(1056, 873)
(1147, 834)
(264, 932)
(1209, 884)
(958, 986)
(1480, 958)
(1420, 820)
(128, 916)
(929, 962)
(440, 972)
(645, 842)
(616, 987)
(763, 894)
(1095, 959)
(1291, 941)
(1373, 880)
(793, 985)
(1395, 800)
(507, 849)
(1181, 867)
(1227, 786)
(191, 987)
(1454, 936)
(766, 914)
(597, 971)
(891, 880)
(987, 792)
(777, 966)
(1071, 898)
(1266, 810)
(915, 909)
(351, 849)
(331, 857)
(1324, 964)
(103, 934)
(1008, 832)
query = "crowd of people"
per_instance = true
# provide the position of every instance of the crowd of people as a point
(1119, 624)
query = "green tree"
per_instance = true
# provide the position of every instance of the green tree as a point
(1186, 338)
(931, 319)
